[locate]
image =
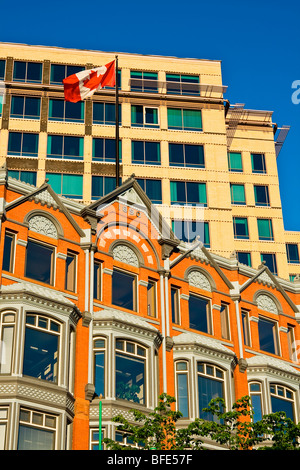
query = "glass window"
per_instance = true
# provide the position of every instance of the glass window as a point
(25, 176)
(25, 107)
(102, 185)
(124, 289)
(131, 372)
(188, 193)
(291, 343)
(261, 194)
(41, 348)
(237, 192)
(292, 253)
(99, 366)
(143, 116)
(97, 280)
(104, 150)
(39, 262)
(28, 72)
(65, 147)
(2, 69)
(59, 72)
(268, 336)
(282, 399)
(182, 388)
(23, 144)
(179, 84)
(152, 188)
(8, 252)
(258, 163)
(70, 279)
(265, 230)
(94, 441)
(256, 400)
(186, 155)
(224, 317)
(144, 152)
(210, 386)
(151, 298)
(7, 343)
(105, 113)
(66, 185)
(235, 161)
(37, 431)
(143, 81)
(270, 261)
(244, 257)
(199, 314)
(188, 230)
(184, 119)
(240, 226)
(175, 304)
(60, 110)
(246, 328)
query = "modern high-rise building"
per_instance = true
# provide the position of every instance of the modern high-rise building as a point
(198, 157)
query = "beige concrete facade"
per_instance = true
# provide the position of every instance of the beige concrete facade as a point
(223, 130)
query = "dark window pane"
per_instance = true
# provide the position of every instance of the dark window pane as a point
(176, 154)
(56, 109)
(74, 111)
(258, 163)
(282, 405)
(292, 253)
(19, 71)
(123, 286)
(34, 72)
(208, 389)
(17, 106)
(40, 354)
(130, 378)
(32, 107)
(8, 252)
(15, 142)
(99, 373)
(98, 113)
(244, 258)
(266, 336)
(39, 262)
(270, 261)
(182, 394)
(198, 313)
(2, 69)
(57, 74)
(194, 155)
(152, 152)
(30, 144)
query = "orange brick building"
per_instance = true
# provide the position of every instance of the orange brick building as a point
(104, 300)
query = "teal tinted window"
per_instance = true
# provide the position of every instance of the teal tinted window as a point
(66, 185)
(292, 252)
(65, 147)
(25, 176)
(261, 194)
(23, 144)
(143, 81)
(235, 161)
(179, 84)
(58, 72)
(265, 231)
(258, 163)
(184, 119)
(237, 192)
(102, 185)
(188, 193)
(60, 110)
(28, 72)
(188, 230)
(2, 69)
(142, 116)
(144, 152)
(25, 107)
(104, 150)
(105, 113)
(270, 261)
(187, 155)
(240, 226)
(244, 257)
(152, 188)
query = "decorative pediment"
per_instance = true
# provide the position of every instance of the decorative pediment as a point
(198, 279)
(44, 197)
(126, 255)
(264, 302)
(264, 278)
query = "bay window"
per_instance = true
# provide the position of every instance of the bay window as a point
(210, 380)
(282, 399)
(181, 370)
(37, 430)
(99, 366)
(130, 363)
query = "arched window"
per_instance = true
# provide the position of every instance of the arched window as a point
(182, 388)
(256, 400)
(130, 371)
(282, 399)
(41, 349)
(99, 366)
(210, 386)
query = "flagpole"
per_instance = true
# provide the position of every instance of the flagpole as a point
(117, 127)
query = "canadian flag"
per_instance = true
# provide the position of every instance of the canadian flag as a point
(83, 84)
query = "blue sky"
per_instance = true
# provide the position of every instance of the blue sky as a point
(257, 42)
